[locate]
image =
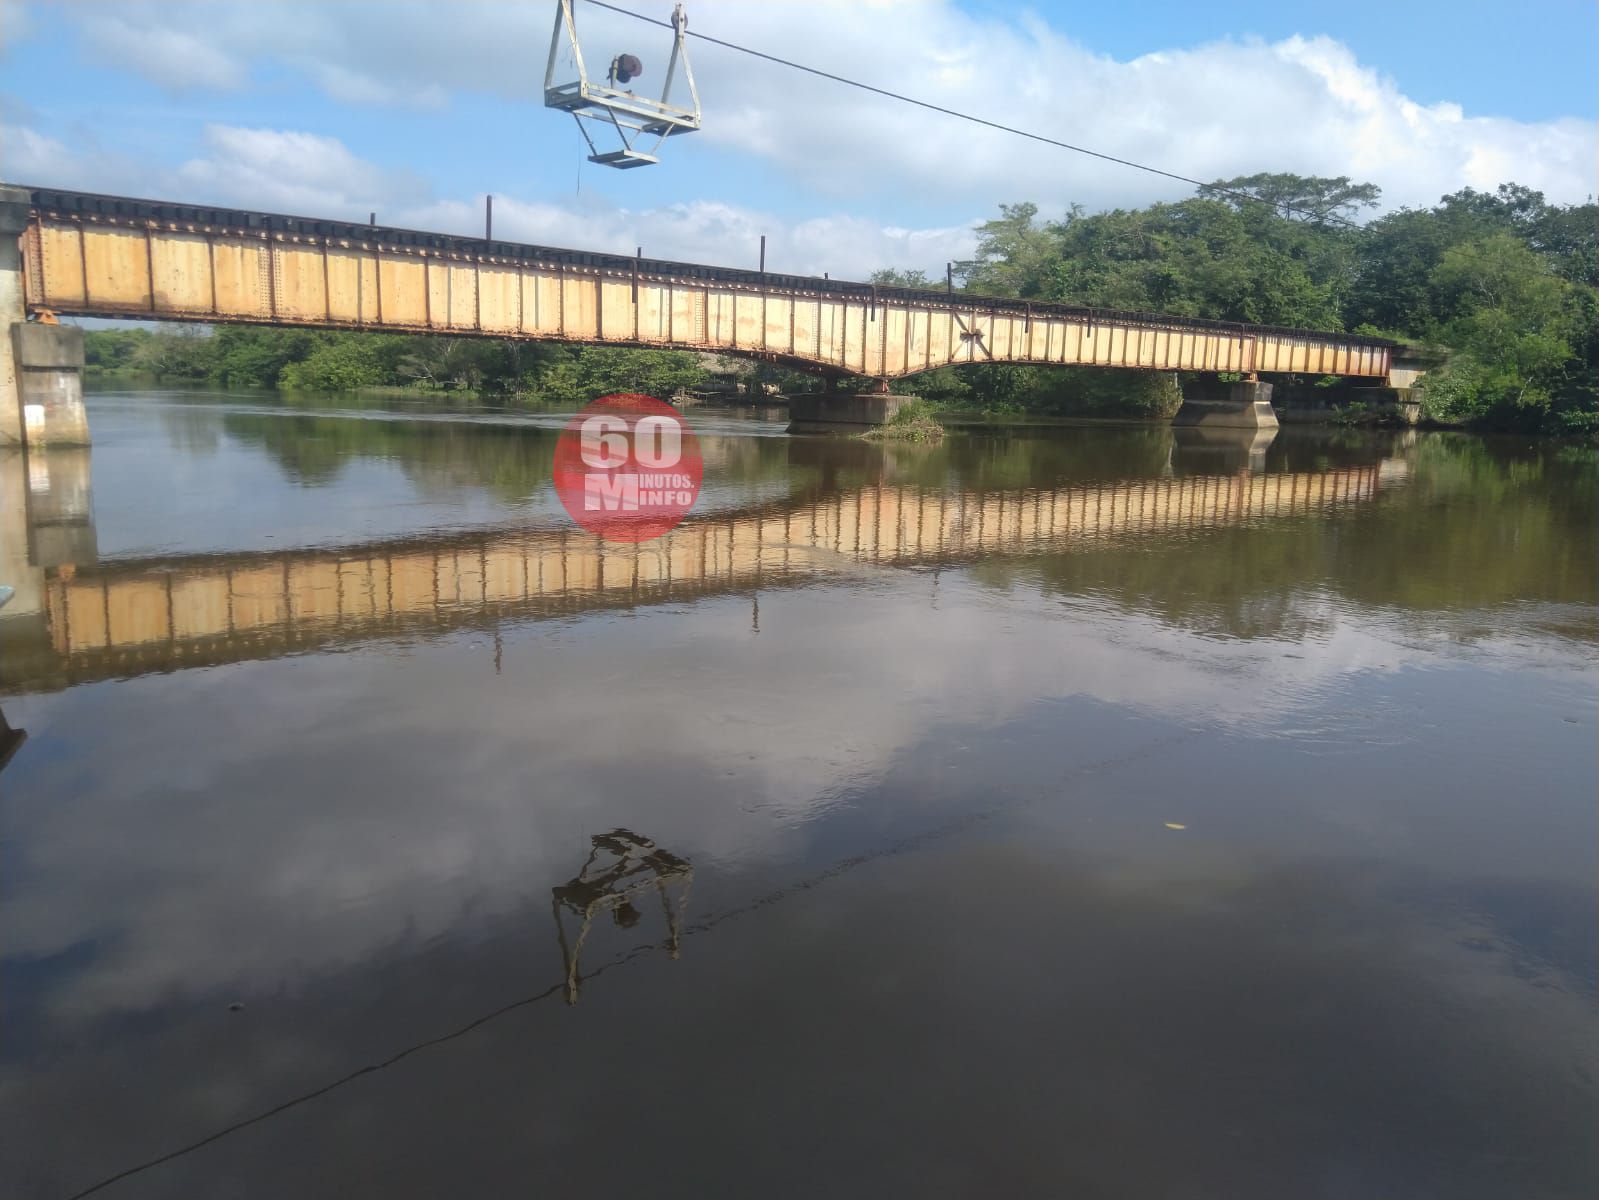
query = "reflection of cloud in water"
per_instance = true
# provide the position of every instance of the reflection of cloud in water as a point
(330, 804)
(1271, 1031)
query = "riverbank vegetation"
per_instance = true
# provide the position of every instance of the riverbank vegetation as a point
(248, 356)
(1503, 283)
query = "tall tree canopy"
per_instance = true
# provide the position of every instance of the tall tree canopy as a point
(1505, 280)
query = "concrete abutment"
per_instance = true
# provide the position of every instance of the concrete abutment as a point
(41, 366)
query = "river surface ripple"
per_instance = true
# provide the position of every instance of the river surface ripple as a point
(1082, 813)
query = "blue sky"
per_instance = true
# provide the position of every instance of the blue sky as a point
(417, 108)
(1529, 61)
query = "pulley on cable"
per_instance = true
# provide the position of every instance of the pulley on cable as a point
(634, 119)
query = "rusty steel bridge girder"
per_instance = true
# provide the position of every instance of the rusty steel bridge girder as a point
(117, 257)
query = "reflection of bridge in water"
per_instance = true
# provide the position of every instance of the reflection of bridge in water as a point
(131, 617)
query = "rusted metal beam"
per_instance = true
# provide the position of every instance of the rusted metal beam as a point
(79, 263)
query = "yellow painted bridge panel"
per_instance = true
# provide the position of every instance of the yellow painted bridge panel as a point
(345, 280)
(211, 267)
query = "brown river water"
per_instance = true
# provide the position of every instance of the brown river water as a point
(1084, 812)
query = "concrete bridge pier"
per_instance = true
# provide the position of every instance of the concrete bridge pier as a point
(1244, 405)
(841, 412)
(41, 366)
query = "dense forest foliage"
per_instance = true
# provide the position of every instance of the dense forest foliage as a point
(1506, 283)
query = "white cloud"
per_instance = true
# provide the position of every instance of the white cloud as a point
(16, 23)
(177, 56)
(707, 231)
(294, 171)
(353, 87)
(1214, 111)
(306, 173)
(1305, 104)
(30, 156)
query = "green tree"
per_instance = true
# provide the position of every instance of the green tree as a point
(1315, 198)
(1201, 258)
(1508, 329)
(342, 362)
(255, 358)
(889, 277)
(1014, 252)
(1392, 284)
(660, 373)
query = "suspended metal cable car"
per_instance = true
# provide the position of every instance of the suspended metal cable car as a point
(634, 119)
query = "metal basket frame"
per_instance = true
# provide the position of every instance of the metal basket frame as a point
(634, 118)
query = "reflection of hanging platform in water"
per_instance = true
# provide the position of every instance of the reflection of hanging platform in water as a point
(621, 868)
(167, 614)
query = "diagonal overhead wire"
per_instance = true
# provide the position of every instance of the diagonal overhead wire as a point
(1232, 193)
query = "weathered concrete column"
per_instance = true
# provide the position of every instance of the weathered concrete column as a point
(841, 412)
(14, 205)
(1241, 406)
(49, 364)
